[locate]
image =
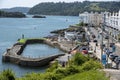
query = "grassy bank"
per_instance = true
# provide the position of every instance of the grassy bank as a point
(25, 39)
(88, 75)
(78, 68)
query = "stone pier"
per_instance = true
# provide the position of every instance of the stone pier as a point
(13, 54)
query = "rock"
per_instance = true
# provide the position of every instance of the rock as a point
(38, 16)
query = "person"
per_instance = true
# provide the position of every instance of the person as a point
(63, 64)
(88, 43)
(96, 44)
(117, 65)
(95, 49)
(98, 36)
(113, 48)
(22, 36)
(104, 59)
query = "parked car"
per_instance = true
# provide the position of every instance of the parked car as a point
(109, 52)
(90, 52)
(111, 44)
(106, 37)
(95, 40)
(102, 45)
(84, 49)
(113, 56)
(117, 60)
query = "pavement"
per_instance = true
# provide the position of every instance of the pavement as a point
(112, 73)
(64, 58)
(106, 41)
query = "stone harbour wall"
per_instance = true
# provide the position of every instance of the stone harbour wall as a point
(13, 54)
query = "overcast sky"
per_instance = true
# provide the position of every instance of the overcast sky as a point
(30, 3)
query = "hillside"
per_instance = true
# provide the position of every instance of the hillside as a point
(4, 14)
(73, 8)
(16, 9)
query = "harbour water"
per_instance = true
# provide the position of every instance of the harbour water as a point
(11, 30)
(40, 51)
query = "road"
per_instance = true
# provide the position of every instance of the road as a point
(105, 41)
(114, 74)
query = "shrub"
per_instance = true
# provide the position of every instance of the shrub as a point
(7, 75)
(61, 71)
(53, 66)
(67, 71)
(79, 59)
(91, 65)
(32, 76)
(52, 76)
(72, 70)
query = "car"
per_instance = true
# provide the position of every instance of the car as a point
(90, 52)
(111, 44)
(95, 40)
(109, 52)
(84, 49)
(117, 60)
(102, 45)
(106, 37)
(113, 56)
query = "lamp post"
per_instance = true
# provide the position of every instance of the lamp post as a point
(104, 18)
(107, 46)
(102, 43)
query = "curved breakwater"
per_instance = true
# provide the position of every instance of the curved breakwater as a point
(13, 54)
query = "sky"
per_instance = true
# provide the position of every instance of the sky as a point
(31, 3)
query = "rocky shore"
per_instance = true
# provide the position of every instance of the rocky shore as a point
(71, 28)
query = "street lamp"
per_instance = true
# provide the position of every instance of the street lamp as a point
(107, 47)
(102, 43)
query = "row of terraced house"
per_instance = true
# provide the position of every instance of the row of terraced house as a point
(110, 21)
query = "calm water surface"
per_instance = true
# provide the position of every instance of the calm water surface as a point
(12, 28)
(40, 50)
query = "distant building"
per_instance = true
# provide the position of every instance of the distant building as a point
(112, 22)
(70, 36)
(74, 36)
(93, 19)
(84, 17)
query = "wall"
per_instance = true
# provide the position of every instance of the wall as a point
(23, 61)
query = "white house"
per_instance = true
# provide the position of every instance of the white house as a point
(84, 17)
(91, 18)
(112, 22)
(70, 35)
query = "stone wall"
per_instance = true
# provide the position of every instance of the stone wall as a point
(13, 54)
(38, 63)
